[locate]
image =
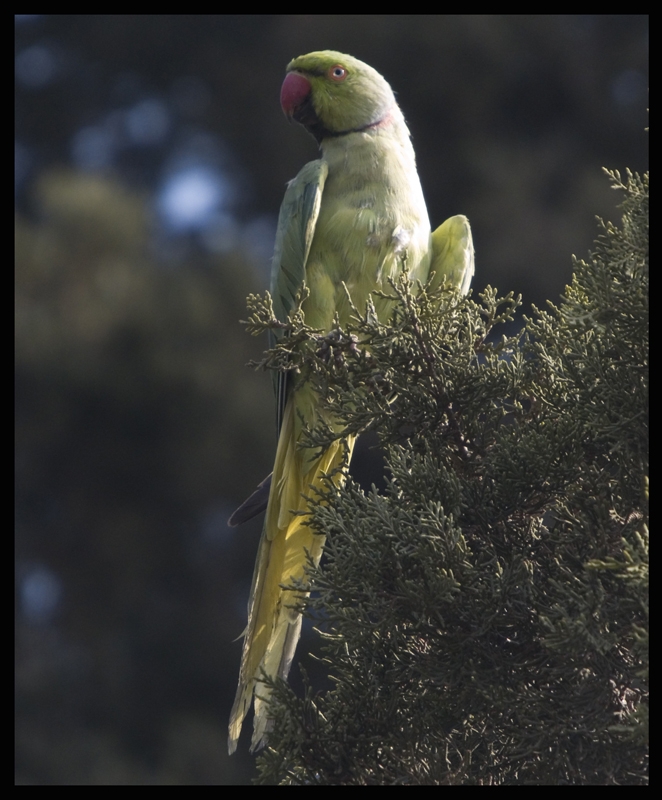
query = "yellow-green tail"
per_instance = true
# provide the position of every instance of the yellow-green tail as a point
(274, 626)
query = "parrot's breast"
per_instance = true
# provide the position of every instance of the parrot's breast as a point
(372, 226)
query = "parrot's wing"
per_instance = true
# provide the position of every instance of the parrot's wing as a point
(294, 236)
(253, 505)
(453, 254)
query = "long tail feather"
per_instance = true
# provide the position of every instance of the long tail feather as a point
(274, 624)
(253, 505)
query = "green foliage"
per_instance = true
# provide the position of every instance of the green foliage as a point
(485, 619)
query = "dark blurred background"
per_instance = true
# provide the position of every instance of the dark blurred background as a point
(151, 157)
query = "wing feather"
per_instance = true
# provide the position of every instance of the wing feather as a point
(453, 253)
(296, 228)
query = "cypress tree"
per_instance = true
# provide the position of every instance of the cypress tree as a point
(485, 618)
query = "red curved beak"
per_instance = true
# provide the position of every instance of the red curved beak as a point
(294, 91)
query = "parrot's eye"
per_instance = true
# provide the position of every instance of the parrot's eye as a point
(338, 73)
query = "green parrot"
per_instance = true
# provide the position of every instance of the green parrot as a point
(349, 222)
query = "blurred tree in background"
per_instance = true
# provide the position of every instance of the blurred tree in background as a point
(151, 157)
(134, 410)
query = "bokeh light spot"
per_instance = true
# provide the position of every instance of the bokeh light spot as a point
(35, 66)
(191, 198)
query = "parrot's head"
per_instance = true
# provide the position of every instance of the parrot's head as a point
(331, 94)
